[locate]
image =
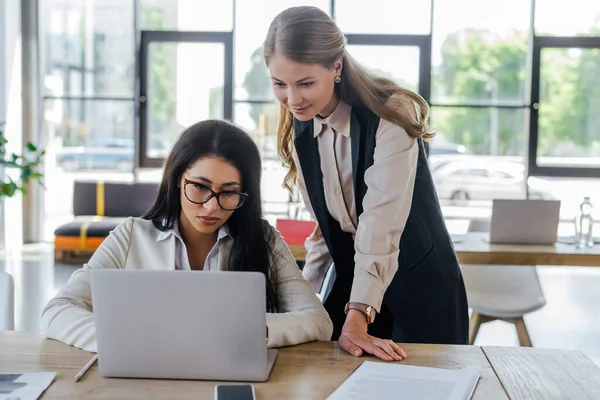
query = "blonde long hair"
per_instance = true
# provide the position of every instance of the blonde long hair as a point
(307, 35)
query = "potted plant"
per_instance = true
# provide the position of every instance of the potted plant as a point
(26, 163)
(16, 170)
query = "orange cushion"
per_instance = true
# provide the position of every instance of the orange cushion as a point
(76, 243)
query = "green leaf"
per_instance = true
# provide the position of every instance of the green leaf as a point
(25, 174)
(8, 188)
(25, 163)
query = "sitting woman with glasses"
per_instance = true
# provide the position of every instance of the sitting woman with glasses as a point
(207, 217)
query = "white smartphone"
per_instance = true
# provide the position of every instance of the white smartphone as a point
(234, 392)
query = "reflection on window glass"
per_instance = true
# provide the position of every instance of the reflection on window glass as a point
(187, 15)
(569, 117)
(253, 18)
(479, 56)
(384, 16)
(398, 63)
(178, 94)
(87, 47)
(567, 18)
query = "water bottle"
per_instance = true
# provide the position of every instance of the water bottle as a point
(585, 237)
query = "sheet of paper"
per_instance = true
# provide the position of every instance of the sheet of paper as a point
(381, 381)
(24, 386)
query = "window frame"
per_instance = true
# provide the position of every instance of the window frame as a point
(552, 42)
(147, 37)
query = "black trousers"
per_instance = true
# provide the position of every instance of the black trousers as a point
(425, 305)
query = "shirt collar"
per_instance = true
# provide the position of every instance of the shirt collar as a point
(339, 120)
(163, 235)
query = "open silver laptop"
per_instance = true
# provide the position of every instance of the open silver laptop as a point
(525, 221)
(181, 325)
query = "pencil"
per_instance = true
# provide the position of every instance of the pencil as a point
(85, 368)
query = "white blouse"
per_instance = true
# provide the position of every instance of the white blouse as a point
(386, 205)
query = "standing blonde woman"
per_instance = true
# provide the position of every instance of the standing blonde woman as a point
(354, 145)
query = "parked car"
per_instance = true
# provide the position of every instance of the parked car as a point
(441, 153)
(441, 148)
(110, 154)
(481, 178)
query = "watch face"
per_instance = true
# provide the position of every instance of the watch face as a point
(369, 311)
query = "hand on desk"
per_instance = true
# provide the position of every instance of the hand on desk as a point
(355, 340)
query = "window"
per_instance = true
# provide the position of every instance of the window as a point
(176, 94)
(252, 80)
(187, 15)
(481, 131)
(384, 16)
(398, 63)
(564, 134)
(260, 120)
(87, 82)
(489, 142)
(255, 106)
(479, 100)
(567, 18)
(87, 140)
(87, 47)
(570, 192)
(569, 117)
(495, 107)
(480, 56)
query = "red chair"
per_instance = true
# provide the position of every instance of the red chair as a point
(295, 232)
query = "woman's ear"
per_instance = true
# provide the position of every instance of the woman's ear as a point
(338, 67)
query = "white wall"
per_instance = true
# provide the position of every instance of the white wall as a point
(11, 222)
(2, 105)
(2, 46)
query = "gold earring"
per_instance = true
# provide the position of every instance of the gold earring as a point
(338, 79)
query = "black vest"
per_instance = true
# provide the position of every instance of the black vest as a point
(425, 243)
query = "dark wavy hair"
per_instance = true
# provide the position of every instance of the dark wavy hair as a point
(253, 238)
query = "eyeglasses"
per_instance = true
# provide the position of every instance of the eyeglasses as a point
(228, 200)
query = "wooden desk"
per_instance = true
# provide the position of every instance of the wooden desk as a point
(534, 373)
(313, 371)
(472, 248)
(310, 371)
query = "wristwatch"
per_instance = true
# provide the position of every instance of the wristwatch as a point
(369, 311)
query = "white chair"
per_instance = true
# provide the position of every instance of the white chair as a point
(7, 302)
(501, 292)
